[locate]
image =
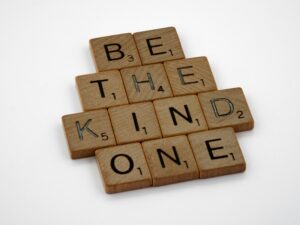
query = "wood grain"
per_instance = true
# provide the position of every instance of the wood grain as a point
(114, 52)
(170, 160)
(123, 168)
(180, 115)
(87, 132)
(135, 122)
(226, 108)
(217, 152)
(158, 45)
(101, 90)
(190, 76)
(146, 83)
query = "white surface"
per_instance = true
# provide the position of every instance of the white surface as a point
(44, 44)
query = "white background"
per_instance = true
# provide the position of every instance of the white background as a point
(44, 45)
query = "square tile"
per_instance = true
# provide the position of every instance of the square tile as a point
(114, 52)
(190, 76)
(135, 122)
(144, 83)
(170, 160)
(217, 152)
(123, 168)
(158, 45)
(101, 90)
(226, 108)
(87, 132)
(180, 115)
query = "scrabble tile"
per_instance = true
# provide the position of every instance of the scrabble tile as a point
(144, 83)
(226, 108)
(170, 160)
(114, 52)
(190, 76)
(217, 152)
(87, 132)
(135, 122)
(158, 45)
(180, 115)
(101, 90)
(123, 168)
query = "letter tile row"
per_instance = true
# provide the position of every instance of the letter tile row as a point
(167, 117)
(170, 160)
(145, 83)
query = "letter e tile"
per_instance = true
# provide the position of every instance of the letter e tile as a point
(158, 45)
(217, 152)
(190, 76)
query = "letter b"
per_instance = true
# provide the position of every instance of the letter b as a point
(113, 48)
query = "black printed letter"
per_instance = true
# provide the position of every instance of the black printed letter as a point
(175, 160)
(114, 50)
(100, 85)
(211, 149)
(188, 116)
(153, 46)
(113, 165)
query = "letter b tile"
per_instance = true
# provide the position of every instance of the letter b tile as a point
(226, 108)
(123, 168)
(114, 52)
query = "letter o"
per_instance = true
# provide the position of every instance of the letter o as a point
(114, 168)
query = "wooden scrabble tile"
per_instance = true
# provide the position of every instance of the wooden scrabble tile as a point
(180, 115)
(135, 122)
(190, 76)
(114, 52)
(158, 45)
(226, 108)
(217, 152)
(170, 160)
(87, 132)
(123, 168)
(101, 90)
(145, 83)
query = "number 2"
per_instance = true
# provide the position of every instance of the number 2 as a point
(241, 114)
